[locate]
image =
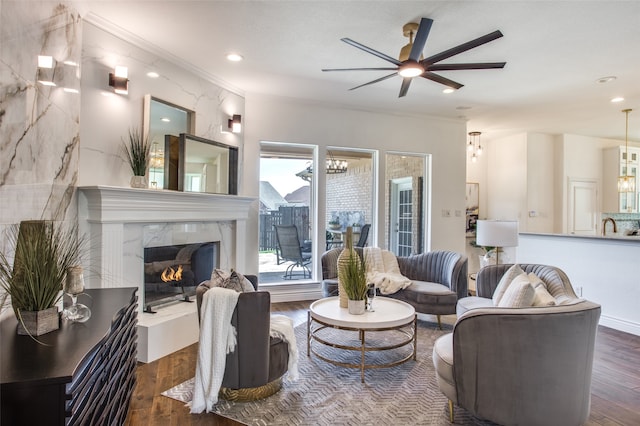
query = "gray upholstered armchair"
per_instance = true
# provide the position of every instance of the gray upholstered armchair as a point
(439, 280)
(524, 366)
(255, 369)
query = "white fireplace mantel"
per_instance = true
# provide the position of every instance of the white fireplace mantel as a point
(114, 219)
(109, 204)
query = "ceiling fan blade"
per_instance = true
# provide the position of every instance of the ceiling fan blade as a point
(406, 82)
(375, 81)
(360, 69)
(466, 66)
(421, 39)
(371, 51)
(442, 80)
(461, 48)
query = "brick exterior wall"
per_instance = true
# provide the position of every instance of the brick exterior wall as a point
(351, 191)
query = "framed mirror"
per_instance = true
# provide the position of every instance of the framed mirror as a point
(162, 118)
(195, 164)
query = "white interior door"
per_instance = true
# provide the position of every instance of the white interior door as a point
(583, 207)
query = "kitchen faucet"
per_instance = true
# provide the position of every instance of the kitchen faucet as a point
(604, 225)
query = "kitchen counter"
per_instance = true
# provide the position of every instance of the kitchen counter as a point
(604, 270)
(614, 236)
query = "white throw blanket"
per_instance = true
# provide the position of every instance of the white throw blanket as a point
(383, 270)
(282, 327)
(217, 339)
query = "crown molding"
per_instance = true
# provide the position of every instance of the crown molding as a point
(141, 43)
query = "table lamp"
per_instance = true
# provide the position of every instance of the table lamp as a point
(498, 234)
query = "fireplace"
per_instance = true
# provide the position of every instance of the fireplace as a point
(172, 272)
(120, 223)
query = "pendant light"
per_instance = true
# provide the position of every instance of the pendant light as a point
(626, 183)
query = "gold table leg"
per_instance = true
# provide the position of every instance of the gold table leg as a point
(362, 356)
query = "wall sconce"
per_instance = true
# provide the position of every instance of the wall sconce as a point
(46, 66)
(119, 80)
(235, 123)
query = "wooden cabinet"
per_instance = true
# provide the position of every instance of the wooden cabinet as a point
(82, 374)
(615, 164)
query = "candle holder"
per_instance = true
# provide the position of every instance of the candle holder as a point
(73, 286)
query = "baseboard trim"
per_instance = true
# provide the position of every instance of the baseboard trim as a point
(292, 292)
(620, 324)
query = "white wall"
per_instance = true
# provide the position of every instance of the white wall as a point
(539, 216)
(507, 178)
(285, 120)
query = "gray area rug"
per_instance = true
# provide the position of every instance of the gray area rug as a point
(327, 394)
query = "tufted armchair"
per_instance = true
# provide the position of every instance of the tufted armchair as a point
(255, 369)
(524, 366)
(439, 280)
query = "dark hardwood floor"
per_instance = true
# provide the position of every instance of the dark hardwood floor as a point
(615, 388)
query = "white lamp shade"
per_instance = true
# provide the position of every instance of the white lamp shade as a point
(497, 233)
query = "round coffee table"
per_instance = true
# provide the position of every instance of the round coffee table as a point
(390, 315)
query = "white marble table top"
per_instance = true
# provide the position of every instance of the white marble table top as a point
(388, 313)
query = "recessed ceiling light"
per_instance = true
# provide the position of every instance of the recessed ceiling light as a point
(617, 99)
(71, 90)
(165, 119)
(606, 79)
(234, 57)
(153, 74)
(448, 90)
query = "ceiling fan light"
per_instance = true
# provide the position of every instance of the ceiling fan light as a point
(410, 69)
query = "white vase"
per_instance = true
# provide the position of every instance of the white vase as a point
(356, 307)
(138, 181)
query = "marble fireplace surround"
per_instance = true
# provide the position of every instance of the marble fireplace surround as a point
(121, 222)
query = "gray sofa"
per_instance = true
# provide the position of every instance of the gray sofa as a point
(439, 280)
(524, 366)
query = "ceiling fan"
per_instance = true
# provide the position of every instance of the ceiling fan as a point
(411, 63)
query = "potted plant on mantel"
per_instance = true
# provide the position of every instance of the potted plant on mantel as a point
(43, 253)
(137, 151)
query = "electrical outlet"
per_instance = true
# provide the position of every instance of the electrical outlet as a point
(458, 213)
(446, 213)
(579, 291)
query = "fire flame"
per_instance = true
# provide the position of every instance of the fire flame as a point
(170, 274)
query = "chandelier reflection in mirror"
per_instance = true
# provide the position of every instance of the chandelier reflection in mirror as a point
(474, 147)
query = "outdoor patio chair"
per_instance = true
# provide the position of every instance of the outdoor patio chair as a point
(291, 251)
(364, 234)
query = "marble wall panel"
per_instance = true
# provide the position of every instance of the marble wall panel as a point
(39, 125)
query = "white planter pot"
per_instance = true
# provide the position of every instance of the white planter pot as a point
(356, 307)
(138, 181)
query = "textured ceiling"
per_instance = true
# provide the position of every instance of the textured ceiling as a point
(555, 51)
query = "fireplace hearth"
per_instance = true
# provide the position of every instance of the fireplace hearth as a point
(172, 273)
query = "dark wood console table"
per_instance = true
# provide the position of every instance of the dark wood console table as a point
(85, 376)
